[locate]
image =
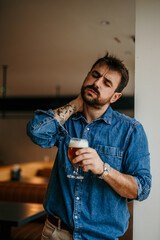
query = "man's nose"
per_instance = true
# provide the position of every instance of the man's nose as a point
(98, 81)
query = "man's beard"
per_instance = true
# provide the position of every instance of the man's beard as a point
(95, 103)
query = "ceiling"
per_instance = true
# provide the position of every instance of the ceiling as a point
(50, 45)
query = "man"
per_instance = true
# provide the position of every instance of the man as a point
(116, 165)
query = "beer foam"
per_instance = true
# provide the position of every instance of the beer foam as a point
(81, 143)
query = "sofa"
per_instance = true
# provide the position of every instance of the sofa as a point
(22, 192)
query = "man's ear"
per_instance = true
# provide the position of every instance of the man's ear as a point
(115, 97)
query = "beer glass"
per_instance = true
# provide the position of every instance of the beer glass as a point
(74, 145)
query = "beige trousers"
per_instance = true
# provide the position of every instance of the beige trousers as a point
(51, 232)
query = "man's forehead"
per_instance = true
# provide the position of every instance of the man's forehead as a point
(102, 68)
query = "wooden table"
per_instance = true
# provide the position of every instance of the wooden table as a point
(17, 214)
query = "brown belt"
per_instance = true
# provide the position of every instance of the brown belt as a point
(59, 223)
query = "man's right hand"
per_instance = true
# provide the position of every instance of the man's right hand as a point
(63, 113)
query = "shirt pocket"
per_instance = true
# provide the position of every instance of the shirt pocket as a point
(110, 155)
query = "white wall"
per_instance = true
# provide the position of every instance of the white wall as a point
(147, 111)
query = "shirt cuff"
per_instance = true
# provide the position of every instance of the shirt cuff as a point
(143, 189)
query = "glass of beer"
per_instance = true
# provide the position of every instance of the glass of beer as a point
(74, 145)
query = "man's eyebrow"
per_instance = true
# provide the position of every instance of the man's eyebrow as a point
(95, 71)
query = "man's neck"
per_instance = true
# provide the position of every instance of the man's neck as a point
(92, 113)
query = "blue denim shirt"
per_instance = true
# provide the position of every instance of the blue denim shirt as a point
(90, 206)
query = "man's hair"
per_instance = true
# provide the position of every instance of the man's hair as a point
(115, 64)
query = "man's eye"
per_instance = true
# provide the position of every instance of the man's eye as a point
(95, 75)
(107, 83)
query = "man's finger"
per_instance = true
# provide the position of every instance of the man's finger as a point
(83, 150)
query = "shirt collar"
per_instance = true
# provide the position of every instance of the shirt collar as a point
(106, 117)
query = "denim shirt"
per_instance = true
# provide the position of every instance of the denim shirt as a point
(90, 206)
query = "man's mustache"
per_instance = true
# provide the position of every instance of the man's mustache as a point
(93, 88)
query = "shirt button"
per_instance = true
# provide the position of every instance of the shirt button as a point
(88, 129)
(77, 198)
(76, 217)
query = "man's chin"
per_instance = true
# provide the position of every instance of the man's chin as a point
(91, 102)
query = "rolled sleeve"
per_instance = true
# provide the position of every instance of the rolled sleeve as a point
(143, 187)
(137, 161)
(44, 129)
